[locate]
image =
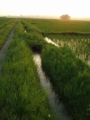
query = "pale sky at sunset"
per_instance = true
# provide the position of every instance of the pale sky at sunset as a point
(75, 8)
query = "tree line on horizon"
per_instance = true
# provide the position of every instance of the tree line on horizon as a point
(65, 17)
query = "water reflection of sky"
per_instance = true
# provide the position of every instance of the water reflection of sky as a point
(58, 107)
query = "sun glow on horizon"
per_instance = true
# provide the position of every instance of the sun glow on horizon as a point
(74, 8)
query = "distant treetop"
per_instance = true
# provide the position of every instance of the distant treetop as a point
(65, 17)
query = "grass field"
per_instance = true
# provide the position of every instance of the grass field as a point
(76, 34)
(5, 21)
(59, 26)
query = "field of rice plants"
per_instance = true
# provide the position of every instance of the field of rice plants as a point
(70, 77)
(21, 96)
(67, 66)
(4, 33)
(75, 34)
(5, 21)
(60, 26)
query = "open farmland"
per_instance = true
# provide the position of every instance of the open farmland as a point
(59, 26)
(67, 66)
(75, 34)
(5, 21)
(64, 65)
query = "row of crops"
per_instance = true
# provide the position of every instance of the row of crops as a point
(4, 33)
(21, 96)
(71, 79)
(5, 21)
(79, 44)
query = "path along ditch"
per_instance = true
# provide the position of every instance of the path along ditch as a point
(5, 47)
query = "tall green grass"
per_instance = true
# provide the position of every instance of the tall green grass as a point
(4, 33)
(29, 27)
(76, 34)
(70, 77)
(21, 96)
(5, 21)
(33, 37)
(79, 44)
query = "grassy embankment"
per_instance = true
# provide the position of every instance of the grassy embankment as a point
(4, 33)
(21, 96)
(71, 79)
(33, 37)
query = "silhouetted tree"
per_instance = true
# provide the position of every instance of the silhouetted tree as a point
(65, 17)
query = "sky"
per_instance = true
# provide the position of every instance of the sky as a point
(74, 8)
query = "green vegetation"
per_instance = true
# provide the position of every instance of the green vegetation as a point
(21, 96)
(88, 110)
(33, 37)
(59, 26)
(5, 21)
(79, 44)
(4, 33)
(35, 41)
(76, 34)
(69, 74)
(29, 27)
(70, 77)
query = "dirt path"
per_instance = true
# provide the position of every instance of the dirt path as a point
(5, 47)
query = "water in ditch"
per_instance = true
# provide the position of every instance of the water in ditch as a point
(50, 41)
(57, 106)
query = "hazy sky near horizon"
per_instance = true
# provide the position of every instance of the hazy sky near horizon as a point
(75, 8)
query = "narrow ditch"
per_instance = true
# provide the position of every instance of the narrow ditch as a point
(5, 47)
(57, 106)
